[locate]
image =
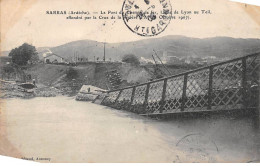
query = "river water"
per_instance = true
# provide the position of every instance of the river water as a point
(61, 129)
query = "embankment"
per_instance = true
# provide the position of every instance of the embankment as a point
(91, 73)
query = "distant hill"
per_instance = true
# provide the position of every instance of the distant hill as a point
(180, 46)
(40, 50)
(5, 53)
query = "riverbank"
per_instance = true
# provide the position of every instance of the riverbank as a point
(12, 90)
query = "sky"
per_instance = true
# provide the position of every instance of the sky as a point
(27, 21)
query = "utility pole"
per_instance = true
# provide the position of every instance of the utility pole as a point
(104, 52)
(77, 56)
(74, 59)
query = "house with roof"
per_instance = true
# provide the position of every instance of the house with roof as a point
(54, 58)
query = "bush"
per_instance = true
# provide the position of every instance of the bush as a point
(131, 58)
(71, 73)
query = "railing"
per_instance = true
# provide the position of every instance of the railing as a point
(232, 84)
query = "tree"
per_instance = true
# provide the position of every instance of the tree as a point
(23, 54)
(35, 58)
(131, 58)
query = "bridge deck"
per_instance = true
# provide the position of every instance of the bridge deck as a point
(233, 84)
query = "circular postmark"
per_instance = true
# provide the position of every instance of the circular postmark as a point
(147, 17)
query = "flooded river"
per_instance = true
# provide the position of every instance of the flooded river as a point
(60, 129)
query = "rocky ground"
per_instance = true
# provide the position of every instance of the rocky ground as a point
(12, 90)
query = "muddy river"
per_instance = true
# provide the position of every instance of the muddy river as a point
(60, 129)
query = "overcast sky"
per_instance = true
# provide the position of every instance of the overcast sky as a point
(26, 21)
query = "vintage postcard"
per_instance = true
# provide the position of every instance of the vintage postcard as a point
(130, 81)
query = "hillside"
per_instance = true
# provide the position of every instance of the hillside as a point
(180, 46)
(5, 53)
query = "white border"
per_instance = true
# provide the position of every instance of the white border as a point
(5, 161)
(13, 161)
(250, 2)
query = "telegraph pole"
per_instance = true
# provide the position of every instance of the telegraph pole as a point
(74, 59)
(104, 58)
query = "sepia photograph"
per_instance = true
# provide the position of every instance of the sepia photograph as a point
(130, 81)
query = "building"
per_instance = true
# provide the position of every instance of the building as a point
(174, 60)
(171, 59)
(53, 58)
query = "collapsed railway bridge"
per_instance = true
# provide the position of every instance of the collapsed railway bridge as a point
(229, 85)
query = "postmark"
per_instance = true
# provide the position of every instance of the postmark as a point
(147, 17)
